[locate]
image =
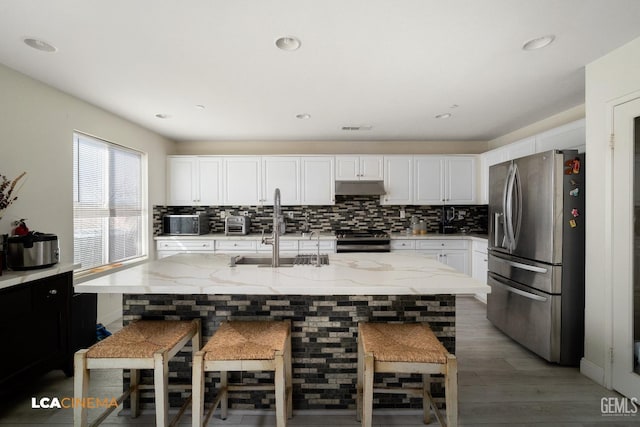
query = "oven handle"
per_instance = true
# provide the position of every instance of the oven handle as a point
(518, 291)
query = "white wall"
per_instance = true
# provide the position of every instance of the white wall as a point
(36, 127)
(608, 78)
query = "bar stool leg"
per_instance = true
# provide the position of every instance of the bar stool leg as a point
(288, 378)
(451, 391)
(197, 405)
(359, 378)
(81, 387)
(161, 386)
(134, 379)
(426, 402)
(367, 412)
(280, 391)
(224, 396)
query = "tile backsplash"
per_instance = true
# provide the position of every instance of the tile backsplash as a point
(351, 212)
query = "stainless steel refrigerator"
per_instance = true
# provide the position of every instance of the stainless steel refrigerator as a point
(536, 253)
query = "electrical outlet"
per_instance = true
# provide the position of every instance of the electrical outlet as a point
(223, 214)
(290, 215)
(244, 213)
(403, 214)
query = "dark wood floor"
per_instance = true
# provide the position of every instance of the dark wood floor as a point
(500, 384)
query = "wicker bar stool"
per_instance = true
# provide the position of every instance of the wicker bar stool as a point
(404, 348)
(245, 346)
(144, 344)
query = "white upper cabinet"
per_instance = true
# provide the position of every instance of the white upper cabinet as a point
(398, 180)
(444, 180)
(194, 180)
(283, 173)
(428, 181)
(317, 180)
(356, 168)
(242, 180)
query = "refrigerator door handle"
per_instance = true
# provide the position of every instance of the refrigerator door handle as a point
(508, 208)
(518, 291)
(496, 231)
(522, 266)
(517, 216)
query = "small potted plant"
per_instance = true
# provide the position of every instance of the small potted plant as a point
(8, 195)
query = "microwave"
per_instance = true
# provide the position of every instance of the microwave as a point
(190, 225)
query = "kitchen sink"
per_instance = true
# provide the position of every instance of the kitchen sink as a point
(265, 261)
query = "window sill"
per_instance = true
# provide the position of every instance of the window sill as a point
(104, 270)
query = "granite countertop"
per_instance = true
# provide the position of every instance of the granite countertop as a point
(347, 274)
(12, 278)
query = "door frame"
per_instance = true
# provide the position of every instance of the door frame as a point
(619, 242)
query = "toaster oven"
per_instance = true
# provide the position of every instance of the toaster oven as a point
(190, 225)
(234, 225)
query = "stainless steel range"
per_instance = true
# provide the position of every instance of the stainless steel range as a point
(362, 241)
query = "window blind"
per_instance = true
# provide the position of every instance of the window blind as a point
(107, 203)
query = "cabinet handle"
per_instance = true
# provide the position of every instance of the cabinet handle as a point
(53, 292)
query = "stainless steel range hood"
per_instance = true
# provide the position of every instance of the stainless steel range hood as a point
(360, 188)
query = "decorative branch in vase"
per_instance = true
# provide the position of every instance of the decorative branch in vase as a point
(8, 191)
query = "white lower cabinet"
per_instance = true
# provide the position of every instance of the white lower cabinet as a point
(310, 246)
(232, 246)
(453, 252)
(479, 264)
(167, 248)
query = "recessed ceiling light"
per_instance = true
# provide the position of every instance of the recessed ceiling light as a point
(303, 116)
(288, 43)
(444, 116)
(539, 43)
(39, 45)
(162, 116)
(200, 107)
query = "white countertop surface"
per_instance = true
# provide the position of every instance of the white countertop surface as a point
(347, 274)
(252, 236)
(12, 278)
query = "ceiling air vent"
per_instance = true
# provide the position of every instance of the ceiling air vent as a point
(362, 127)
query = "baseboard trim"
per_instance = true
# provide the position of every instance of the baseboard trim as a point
(592, 371)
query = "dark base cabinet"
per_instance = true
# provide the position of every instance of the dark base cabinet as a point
(42, 323)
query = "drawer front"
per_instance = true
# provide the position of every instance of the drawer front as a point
(312, 245)
(442, 244)
(51, 292)
(285, 245)
(403, 245)
(184, 245)
(236, 245)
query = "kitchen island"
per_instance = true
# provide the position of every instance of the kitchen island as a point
(324, 303)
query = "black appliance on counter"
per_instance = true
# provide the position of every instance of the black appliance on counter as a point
(362, 241)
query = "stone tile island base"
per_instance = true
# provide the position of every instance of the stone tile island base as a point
(324, 330)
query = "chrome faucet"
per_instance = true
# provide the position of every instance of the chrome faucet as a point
(318, 245)
(274, 240)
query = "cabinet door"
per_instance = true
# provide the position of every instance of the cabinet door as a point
(569, 136)
(461, 180)
(371, 168)
(242, 181)
(347, 168)
(318, 182)
(428, 183)
(456, 259)
(479, 267)
(181, 180)
(209, 180)
(398, 180)
(282, 173)
(487, 160)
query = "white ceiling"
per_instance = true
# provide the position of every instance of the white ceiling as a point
(390, 64)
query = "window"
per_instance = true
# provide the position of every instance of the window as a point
(108, 214)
